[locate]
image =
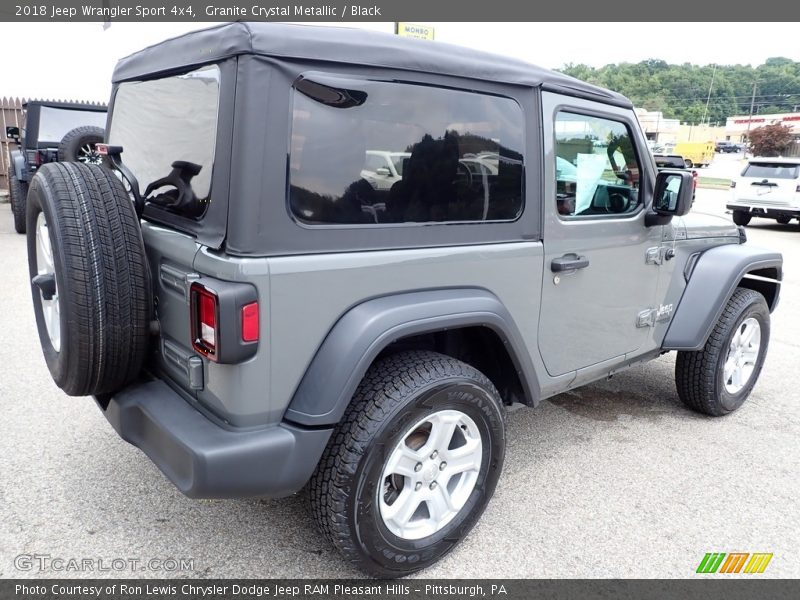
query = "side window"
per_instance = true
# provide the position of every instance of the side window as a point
(597, 171)
(373, 153)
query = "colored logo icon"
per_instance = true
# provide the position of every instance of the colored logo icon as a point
(734, 562)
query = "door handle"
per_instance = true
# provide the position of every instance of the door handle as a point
(569, 262)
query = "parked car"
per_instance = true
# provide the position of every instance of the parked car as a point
(727, 147)
(383, 169)
(54, 131)
(695, 154)
(768, 188)
(676, 161)
(240, 318)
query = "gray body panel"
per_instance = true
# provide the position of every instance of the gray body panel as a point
(360, 335)
(588, 316)
(713, 280)
(698, 226)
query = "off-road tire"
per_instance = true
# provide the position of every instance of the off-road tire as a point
(699, 375)
(393, 394)
(101, 274)
(18, 193)
(741, 217)
(71, 147)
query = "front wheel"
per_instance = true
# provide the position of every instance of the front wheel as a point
(412, 465)
(718, 379)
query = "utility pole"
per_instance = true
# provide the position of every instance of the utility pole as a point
(708, 99)
(752, 103)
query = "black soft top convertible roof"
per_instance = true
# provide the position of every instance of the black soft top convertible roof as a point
(341, 45)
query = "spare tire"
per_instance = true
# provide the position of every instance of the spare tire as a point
(80, 145)
(89, 278)
(17, 192)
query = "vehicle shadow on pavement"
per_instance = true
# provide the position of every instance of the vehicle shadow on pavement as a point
(645, 392)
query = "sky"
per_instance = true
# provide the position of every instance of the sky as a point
(77, 61)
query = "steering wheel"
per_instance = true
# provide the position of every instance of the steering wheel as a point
(617, 203)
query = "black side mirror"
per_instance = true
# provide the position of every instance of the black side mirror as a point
(12, 133)
(672, 197)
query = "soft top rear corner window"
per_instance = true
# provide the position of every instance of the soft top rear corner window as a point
(382, 153)
(168, 129)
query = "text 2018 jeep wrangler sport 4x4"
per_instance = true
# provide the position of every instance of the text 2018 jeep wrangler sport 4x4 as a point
(257, 317)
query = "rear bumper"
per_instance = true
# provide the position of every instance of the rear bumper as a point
(205, 460)
(766, 212)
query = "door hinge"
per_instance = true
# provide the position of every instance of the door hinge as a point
(654, 256)
(658, 254)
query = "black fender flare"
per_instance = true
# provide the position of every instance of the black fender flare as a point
(713, 280)
(17, 165)
(363, 331)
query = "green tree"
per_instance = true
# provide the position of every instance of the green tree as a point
(682, 91)
(771, 140)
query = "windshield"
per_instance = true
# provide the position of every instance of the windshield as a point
(161, 121)
(55, 123)
(773, 170)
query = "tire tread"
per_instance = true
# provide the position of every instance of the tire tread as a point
(384, 389)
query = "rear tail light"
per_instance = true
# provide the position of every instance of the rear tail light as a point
(205, 320)
(224, 319)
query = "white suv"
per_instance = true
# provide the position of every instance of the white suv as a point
(769, 188)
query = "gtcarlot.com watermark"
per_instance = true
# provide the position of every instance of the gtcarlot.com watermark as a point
(41, 563)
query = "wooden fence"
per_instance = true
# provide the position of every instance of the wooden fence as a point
(11, 114)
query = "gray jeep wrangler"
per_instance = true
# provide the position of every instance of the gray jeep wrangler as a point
(259, 317)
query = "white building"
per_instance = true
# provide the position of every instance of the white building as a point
(658, 129)
(738, 127)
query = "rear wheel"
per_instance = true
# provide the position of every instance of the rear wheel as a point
(412, 465)
(89, 278)
(741, 217)
(688, 163)
(718, 379)
(18, 194)
(784, 219)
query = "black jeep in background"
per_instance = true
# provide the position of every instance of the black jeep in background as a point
(54, 131)
(727, 147)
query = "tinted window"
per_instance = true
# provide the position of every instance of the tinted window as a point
(457, 155)
(55, 123)
(161, 121)
(771, 171)
(597, 171)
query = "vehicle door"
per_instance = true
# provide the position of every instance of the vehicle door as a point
(597, 278)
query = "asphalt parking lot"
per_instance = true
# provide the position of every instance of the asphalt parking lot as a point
(616, 479)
